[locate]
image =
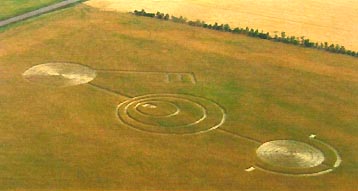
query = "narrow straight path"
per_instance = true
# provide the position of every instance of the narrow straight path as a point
(37, 12)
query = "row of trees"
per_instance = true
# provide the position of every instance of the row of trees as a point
(298, 41)
(143, 13)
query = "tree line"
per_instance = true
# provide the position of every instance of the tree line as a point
(282, 37)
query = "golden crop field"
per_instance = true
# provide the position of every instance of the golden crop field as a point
(97, 100)
(333, 21)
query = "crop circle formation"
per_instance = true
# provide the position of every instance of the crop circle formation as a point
(59, 74)
(171, 114)
(290, 154)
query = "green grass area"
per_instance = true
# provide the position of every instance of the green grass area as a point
(11, 8)
(71, 139)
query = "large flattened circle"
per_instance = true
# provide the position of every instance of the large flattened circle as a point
(59, 74)
(290, 154)
(171, 114)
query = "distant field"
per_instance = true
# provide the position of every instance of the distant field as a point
(10, 8)
(333, 21)
(112, 133)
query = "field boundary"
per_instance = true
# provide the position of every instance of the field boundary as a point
(254, 33)
(38, 12)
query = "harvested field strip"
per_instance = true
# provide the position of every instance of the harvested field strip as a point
(37, 12)
(12, 8)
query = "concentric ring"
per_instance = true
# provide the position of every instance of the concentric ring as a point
(171, 114)
(290, 154)
(158, 108)
(59, 74)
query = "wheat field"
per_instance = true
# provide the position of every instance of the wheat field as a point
(98, 100)
(332, 21)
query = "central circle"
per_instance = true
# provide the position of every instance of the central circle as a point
(290, 154)
(157, 108)
(171, 114)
